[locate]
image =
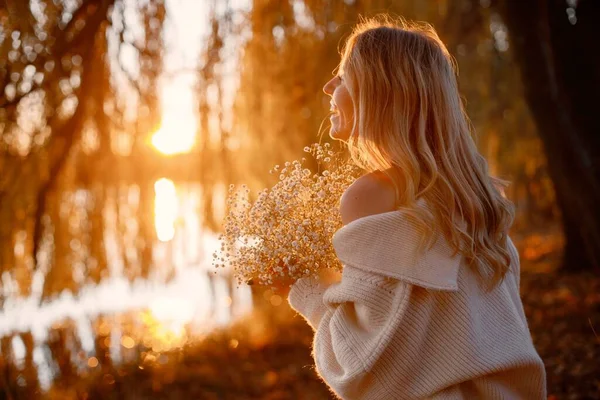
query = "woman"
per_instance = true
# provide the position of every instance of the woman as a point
(428, 303)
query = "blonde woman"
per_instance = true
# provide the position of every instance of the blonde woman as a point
(428, 303)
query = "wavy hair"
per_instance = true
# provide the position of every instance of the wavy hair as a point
(410, 123)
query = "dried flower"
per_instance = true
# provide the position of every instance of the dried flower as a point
(286, 233)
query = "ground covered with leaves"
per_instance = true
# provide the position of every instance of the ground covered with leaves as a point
(564, 319)
(563, 312)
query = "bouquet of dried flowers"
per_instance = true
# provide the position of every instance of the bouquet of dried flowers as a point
(285, 234)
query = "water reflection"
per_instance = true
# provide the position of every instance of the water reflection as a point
(165, 209)
(121, 319)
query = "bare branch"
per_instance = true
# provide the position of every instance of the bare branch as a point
(134, 82)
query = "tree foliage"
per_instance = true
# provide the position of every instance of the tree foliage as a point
(65, 104)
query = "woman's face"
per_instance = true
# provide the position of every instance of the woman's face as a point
(342, 109)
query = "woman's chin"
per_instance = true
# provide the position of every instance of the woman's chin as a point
(333, 134)
(337, 135)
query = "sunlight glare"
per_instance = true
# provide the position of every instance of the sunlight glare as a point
(174, 311)
(177, 133)
(165, 209)
(166, 322)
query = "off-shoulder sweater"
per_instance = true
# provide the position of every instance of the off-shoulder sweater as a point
(407, 325)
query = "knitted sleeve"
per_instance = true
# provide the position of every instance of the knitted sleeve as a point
(354, 321)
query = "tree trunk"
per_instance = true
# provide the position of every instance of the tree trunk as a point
(559, 58)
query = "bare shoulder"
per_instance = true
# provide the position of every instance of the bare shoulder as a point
(370, 194)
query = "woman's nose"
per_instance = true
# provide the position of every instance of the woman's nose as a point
(329, 86)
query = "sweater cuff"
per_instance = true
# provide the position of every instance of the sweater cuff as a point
(306, 297)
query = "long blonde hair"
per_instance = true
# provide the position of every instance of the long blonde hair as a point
(410, 123)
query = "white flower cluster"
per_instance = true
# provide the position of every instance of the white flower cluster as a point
(286, 233)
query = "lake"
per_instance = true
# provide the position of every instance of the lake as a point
(163, 314)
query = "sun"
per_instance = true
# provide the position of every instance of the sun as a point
(177, 134)
(179, 122)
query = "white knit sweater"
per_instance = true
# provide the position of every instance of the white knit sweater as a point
(402, 326)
